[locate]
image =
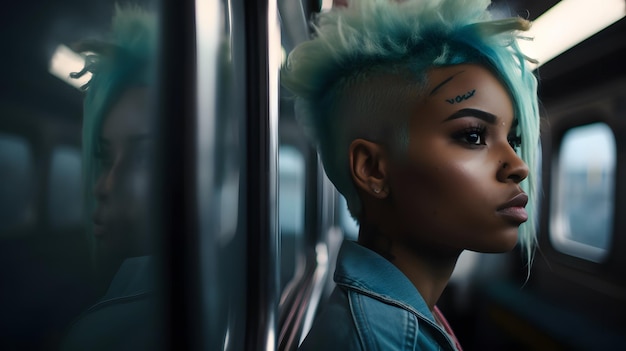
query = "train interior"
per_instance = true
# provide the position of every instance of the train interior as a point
(250, 226)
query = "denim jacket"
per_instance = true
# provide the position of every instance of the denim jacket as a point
(374, 307)
(126, 317)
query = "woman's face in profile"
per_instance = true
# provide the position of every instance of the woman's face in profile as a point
(459, 187)
(122, 187)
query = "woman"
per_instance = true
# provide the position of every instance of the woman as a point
(118, 144)
(425, 117)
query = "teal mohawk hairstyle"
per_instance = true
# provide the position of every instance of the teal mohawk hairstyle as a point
(354, 47)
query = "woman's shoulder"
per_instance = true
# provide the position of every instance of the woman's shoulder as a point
(334, 328)
(353, 320)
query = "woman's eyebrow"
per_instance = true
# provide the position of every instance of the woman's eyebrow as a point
(472, 112)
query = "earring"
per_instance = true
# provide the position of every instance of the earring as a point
(376, 190)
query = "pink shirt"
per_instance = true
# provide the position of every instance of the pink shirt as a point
(441, 320)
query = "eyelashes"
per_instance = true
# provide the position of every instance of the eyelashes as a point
(476, 135)
(133, 157)
(515, 141)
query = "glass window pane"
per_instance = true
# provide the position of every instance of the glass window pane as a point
(82, 273)
(348, 224)
(16, 188)
(583, 202)
(65, 205)
(291, 211)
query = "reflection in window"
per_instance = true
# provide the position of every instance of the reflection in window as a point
(584, 188)
(291, 211)
(16, 187)
(65, 198)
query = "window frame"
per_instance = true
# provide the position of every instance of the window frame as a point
(558, 240)
(562, 117)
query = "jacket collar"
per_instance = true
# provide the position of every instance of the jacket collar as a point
(364, 270)
(135, 276)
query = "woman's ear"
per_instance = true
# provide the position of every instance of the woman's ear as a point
(368, 165)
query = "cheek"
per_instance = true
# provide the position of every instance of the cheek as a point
(450, 200)
(131, 210)
(130, 196)
(137, 187)
(442, 196)
(418, 193)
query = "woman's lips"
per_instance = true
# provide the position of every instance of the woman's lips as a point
(99, 229)
(514, 209)
(515, 214)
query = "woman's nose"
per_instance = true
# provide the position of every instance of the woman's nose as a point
(512, 167)
(105, 183)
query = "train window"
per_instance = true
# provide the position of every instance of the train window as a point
(291, 211)
(16, 189)
(583, 201)
(348, 224)
(65, 205)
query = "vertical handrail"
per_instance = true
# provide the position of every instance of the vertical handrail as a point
(262, 34)
(177, 210)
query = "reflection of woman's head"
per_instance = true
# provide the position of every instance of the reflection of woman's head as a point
(117, 131)
(373, 60)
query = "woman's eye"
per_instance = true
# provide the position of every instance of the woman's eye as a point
(139, 157)
(472, 136)
(515, 141)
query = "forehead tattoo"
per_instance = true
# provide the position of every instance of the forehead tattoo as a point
(460, 98)
(443, 83)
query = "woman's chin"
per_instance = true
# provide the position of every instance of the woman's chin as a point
(502, 243)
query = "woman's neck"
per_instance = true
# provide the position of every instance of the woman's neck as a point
(428, 273)
(428, 269)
